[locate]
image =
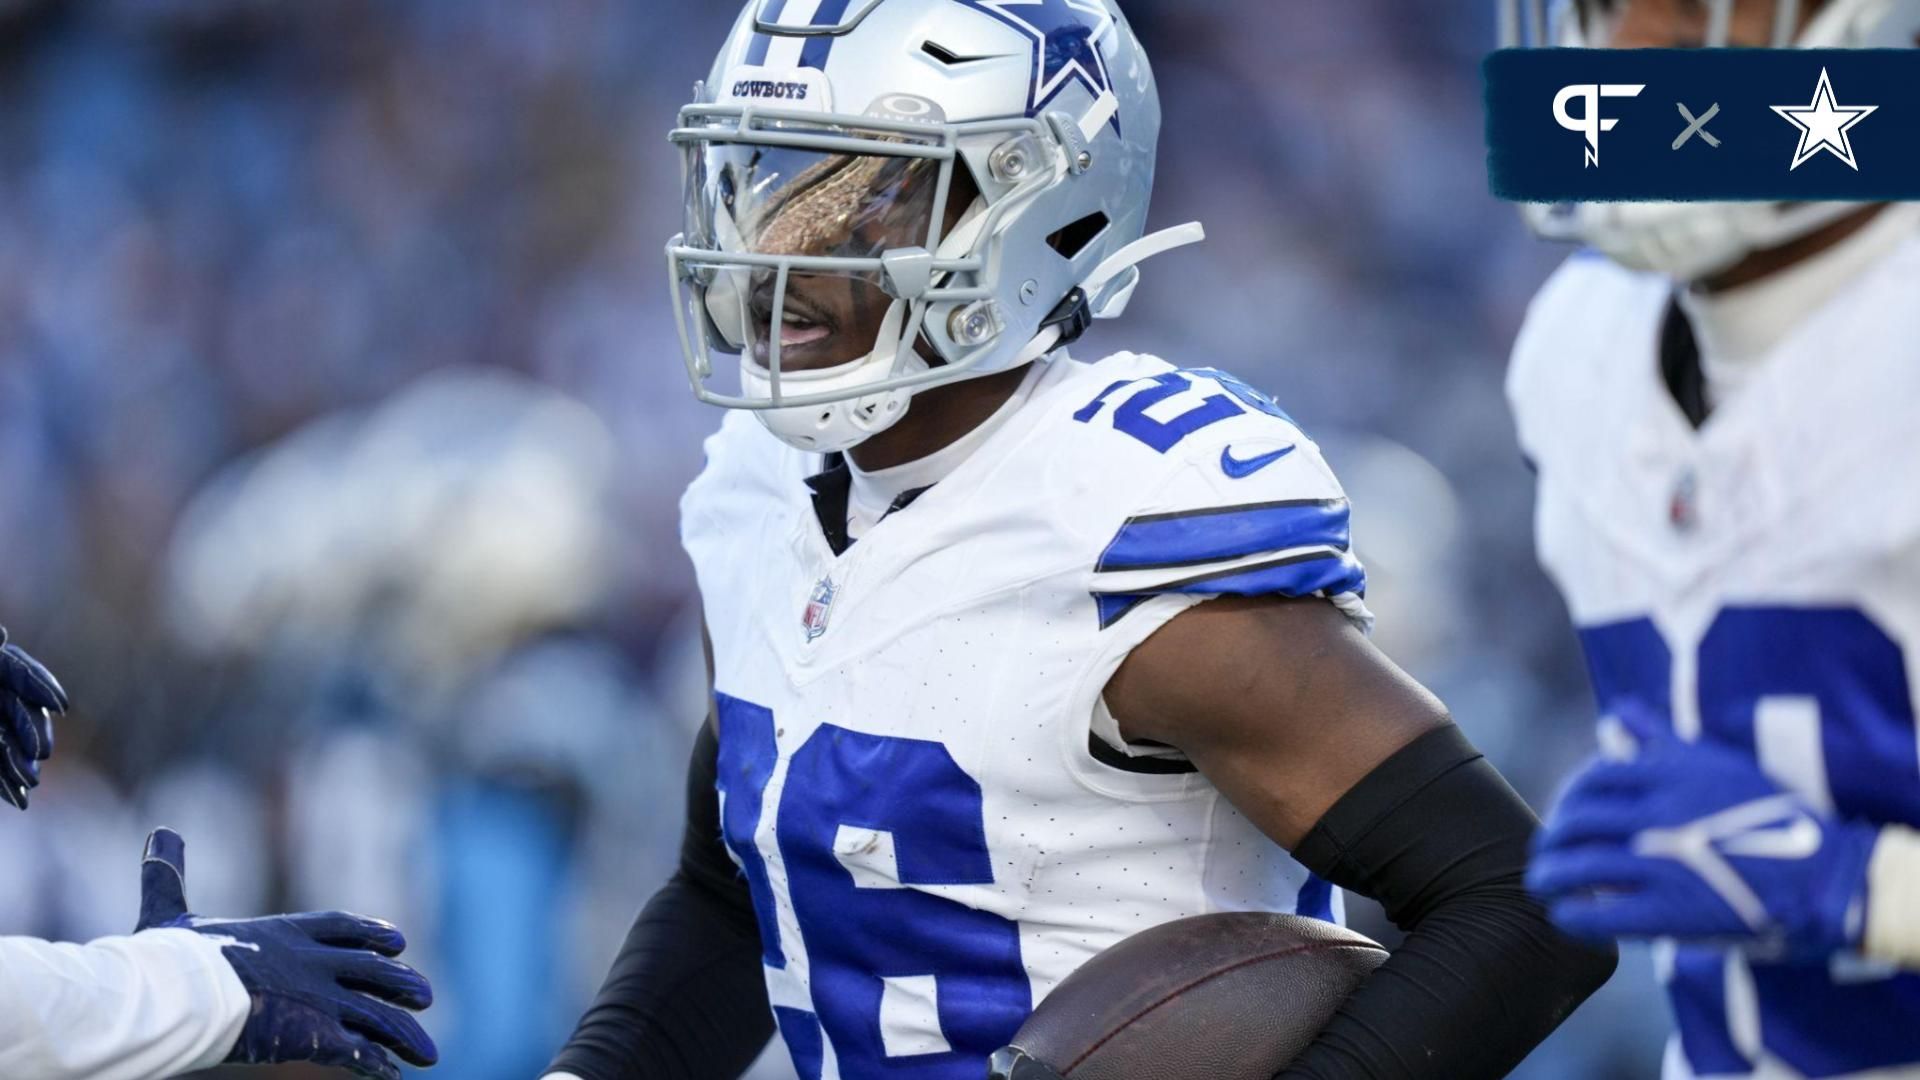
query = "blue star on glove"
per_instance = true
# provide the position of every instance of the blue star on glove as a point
(324, 984)
(29, 697)
(1693, 841)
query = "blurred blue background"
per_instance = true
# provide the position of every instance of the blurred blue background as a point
(341, 434)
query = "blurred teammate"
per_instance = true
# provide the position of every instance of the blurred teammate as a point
(185, 993)
(1720, 402)
(1014, 655)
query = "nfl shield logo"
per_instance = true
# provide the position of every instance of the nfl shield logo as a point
(819, 606)
(1683, 511)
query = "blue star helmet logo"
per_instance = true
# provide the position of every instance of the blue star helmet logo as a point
(1066, 38)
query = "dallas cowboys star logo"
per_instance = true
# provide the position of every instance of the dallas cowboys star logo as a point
(1066, 44)
(1823, 125)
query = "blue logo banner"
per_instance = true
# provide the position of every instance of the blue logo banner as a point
(1604, 125)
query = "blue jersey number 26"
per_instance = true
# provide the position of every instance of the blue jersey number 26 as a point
(862, 942)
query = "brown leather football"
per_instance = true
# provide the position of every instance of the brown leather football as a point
(1225, 997)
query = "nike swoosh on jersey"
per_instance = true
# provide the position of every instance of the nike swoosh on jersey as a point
(1240, 470)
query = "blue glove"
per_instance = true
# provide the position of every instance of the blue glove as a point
(29, 696)
(1694, 842)
(323, 986)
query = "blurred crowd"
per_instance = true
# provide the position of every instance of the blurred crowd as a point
(341, 435)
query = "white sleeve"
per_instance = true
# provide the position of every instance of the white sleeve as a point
(157, 1004)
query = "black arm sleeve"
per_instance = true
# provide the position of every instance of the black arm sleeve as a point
(685, 999)
(1439, 839)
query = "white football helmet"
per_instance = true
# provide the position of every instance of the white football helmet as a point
(820, 156)
(1692, 240)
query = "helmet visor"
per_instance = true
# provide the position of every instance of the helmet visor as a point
(785, 269)
(757, 199)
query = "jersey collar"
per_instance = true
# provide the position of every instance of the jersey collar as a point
(831, 488)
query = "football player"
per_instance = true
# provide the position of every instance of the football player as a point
(1719, 401)
(1015, 655)
(185, 993)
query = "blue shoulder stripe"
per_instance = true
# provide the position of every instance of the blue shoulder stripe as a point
(1198, 537)
(1308, 574)
(1313, 573)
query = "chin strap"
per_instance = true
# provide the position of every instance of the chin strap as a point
(1099, 297)
(1125, 264)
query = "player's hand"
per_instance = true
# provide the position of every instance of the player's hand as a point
(325, 987)
(1693, 841)
(29, 696)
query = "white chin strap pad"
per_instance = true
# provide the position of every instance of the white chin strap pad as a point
(840, 425)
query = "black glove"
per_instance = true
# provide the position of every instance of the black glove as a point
(29, 696)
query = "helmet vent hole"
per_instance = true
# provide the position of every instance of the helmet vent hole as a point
(1073, 239)
(948, 56)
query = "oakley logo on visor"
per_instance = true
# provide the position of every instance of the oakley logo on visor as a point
(908, 107)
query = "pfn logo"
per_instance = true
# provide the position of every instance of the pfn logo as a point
(1589, 122)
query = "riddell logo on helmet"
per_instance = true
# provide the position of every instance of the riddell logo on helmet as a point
(768, 88)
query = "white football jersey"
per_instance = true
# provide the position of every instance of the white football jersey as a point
(933, 809)
(1755, 582)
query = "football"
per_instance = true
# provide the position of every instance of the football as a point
(1229, 997)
